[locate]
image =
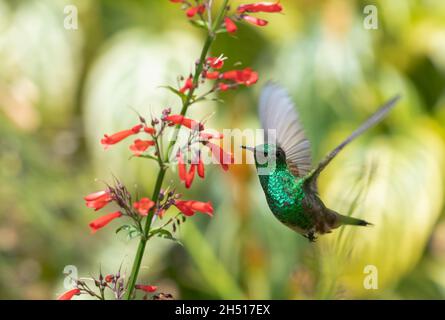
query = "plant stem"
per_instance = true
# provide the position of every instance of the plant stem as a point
(188, 99)
(143, 240)
(162, 170)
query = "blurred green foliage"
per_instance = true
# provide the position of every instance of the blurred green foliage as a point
(60, 90)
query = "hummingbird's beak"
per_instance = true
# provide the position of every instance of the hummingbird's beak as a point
(248, 148)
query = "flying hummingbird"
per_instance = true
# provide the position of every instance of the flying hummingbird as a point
(290, 184)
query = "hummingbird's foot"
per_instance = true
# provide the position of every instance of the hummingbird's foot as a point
(311, 236)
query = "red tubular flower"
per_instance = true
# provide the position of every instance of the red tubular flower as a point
(143, 206)
(69, 294)
(212, 75)
(190, 207)
(190, 176)
(204, 136)
(149, 130)
(98, 200)
(186, 210)
(182, 170)
(201, 173)
(223, 158)
(139, 146)
(249, 77)
(119, 136)
(223, 86)
(230, 25)
(246, 76)
(148, 289)
(186, 122)
(109, 278)
(256, 21)
(103, 221)
(260, 7)
(187, 85)
(234, 75)
(204, 207)
(192, 11)
(215, 62)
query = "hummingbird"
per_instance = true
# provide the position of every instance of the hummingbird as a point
(284, 168)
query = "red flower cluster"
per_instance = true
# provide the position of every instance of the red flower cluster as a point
(242, 12)
(98, 200)
(191, 10)
(233, 78)
(243, 9)
(197, 165)
(138, 147)
(246, 77)
(229, 79)
(188, 176)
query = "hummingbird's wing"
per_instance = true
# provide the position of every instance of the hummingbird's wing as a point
(282, 126)
(311, 179)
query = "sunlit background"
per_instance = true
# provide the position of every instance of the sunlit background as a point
(61, 90)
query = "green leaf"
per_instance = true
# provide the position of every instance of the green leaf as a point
(175, 91)
(182, 96)
(217, 100)
(147, 156)
(200, 99)
(222, 30)
(134, 234)
(162, 233)
(125, 227)
(199, 23)
(132, 231)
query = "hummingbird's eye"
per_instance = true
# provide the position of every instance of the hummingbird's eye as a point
(280, 154)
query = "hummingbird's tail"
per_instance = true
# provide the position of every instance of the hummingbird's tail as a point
(345, 220)
(333, 220)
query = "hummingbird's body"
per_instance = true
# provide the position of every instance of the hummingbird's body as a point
(285, 196)
(284, 167)
(294, 204)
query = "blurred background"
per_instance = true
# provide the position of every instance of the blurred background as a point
(61, 90)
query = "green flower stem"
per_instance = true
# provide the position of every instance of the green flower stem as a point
(143, 241)
(188, 99)
(162, 170)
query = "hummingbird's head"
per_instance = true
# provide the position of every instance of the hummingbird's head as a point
(268, 155)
